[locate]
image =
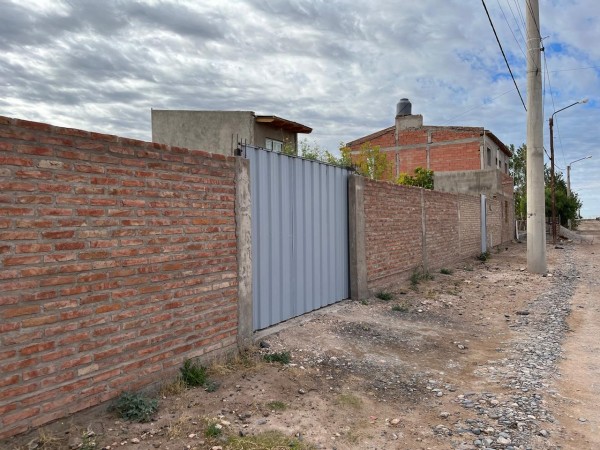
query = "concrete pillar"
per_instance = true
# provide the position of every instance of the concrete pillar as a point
(424, 232)
(243, 229)
(358, 259)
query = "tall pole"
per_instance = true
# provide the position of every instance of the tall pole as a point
(536, 227)
(568, 181)
(553, 186)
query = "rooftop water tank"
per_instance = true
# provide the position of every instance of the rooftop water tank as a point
(403, 108)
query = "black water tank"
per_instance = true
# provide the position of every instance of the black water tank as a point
(404, 107)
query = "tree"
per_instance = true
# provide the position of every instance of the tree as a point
(370, 162)
(518, 171)
(422, 178)
(566, 207)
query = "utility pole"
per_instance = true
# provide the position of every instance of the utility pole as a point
(536, 226)
(552, 178)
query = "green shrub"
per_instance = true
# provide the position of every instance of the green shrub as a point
(484, 256)
(135, 407)
(385, 296)
(213, 431)
(400, 308)
(280, 357)
(445, 271)
(193, 374)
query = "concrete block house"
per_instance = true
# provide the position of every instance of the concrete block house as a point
(220, 131)
(470, 160)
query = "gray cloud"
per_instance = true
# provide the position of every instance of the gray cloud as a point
(338, 66)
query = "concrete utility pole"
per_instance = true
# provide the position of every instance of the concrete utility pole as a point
(536, 224)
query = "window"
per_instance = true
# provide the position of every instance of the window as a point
(489, 157)
(274, 145)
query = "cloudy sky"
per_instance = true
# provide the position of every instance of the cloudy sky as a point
(338, 66)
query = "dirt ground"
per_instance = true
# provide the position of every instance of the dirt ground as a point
(377, 374)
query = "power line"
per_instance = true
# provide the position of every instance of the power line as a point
(516, 20)
(503, 54)
(476, 107)
(518, 8)
(576, 68)
(510, 28)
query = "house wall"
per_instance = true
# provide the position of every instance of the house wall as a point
(212, 131)
(118, 260)
(406, 228)
(474, 182)
(262, 131)
(435, 148)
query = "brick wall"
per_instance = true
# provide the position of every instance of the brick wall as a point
(117, 261)
(393, 238)
(395, 222)
(451, 149)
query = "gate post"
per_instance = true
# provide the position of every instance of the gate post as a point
(356, 224)
(243, 231)
(483, 223)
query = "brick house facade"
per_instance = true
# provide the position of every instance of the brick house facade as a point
(409, 144)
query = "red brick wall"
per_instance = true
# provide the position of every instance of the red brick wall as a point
(117, 261)
(451, 156)
(442, 228)
(394, 229)
(469, 225)
(454, 157)
(393, 240)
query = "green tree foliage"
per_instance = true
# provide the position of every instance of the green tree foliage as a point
(422, 178)
(370, 162)
(518, 171)
(567, 208)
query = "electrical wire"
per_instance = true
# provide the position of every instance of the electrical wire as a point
(478, 106)
(510, 28)
(503, 54)
(577, 68)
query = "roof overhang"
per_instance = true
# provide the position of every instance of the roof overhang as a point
(285, 124)
(498, 142)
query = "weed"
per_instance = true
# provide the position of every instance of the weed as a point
(193, 374)
(213, 430)
(484, 256)
(280, 357)
(175, 387)
(445, 271)
(469, 268)
(276, 406)
(88, 441)
(349, 400)
(248, 359)
(385, 296)
(211, 386)
(135, 407)
(364, 302)
(400, 308)
(418, 276)
(269, 440)
(48, 441)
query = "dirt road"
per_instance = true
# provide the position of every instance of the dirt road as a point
(484, 355)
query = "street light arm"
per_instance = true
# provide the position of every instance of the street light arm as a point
(585, 100)
(580, 159)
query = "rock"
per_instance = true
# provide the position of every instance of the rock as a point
(543, 433)
(301, 391)
(264, 344)
(444, 414)
(135, 441)
(75, 442)
(503, 441)
(582, 419)
(395, 421)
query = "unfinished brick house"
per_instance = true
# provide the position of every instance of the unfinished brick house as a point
(469, 160)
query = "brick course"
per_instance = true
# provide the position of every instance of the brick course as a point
(118, 259)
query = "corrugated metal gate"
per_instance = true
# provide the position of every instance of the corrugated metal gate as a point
(299, 235)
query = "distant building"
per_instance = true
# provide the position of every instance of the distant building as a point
(464, 159)
(220, 131)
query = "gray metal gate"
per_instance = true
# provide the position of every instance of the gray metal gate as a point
(299, 235)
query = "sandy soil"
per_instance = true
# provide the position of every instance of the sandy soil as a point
(376, 374)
